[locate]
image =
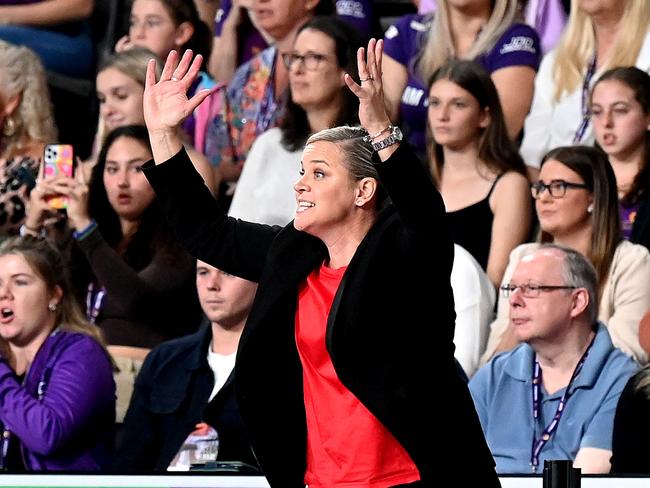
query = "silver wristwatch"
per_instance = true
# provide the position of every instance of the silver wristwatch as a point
(394, 137)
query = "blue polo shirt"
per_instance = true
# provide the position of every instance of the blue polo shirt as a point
(502, 393)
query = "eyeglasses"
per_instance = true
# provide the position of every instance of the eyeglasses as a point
(310, 60)
(147, 23)
(531, 290)
(556, 188)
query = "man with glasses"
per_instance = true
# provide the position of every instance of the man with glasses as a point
(554, 396)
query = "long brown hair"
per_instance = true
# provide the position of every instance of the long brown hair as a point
(594, 169)
(48, 263)
(496, 149)
(639, 82)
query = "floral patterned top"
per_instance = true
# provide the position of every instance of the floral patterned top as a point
(17, 178)
(250, 107)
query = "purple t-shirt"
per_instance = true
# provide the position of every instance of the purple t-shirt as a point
(357, 13)
(250, 41)
(518, 46)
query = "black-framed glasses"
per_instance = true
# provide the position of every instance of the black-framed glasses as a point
(310, 59)
(556, 188)
(531, 290)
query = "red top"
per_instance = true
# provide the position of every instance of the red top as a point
(347, 446)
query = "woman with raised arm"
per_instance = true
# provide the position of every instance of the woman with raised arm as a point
(339, 336)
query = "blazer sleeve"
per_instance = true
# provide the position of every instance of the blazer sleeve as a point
(200, 224)
(626, 298)
(418, 202)
(631, 429)
(80, 388)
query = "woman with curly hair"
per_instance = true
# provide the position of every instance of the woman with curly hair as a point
(26, 125)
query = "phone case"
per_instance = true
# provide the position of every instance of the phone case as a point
(58, 160)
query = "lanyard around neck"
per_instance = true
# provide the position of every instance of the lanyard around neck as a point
(94, 302)
(539, 443)
(586, 113)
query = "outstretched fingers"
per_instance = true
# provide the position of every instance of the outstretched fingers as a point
(199, 96)
(150, 75)
(194, 68)
(170, 65)
(379, 53)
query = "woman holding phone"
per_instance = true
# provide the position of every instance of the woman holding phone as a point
(136, 282)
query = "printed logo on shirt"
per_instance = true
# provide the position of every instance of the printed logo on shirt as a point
(350, 8)
(391, 32)
(413, 96)
(419, 26)
(519, 43)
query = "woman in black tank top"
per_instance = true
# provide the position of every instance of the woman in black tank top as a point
(476, 166)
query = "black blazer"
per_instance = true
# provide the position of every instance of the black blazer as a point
(170, 398)
(390, 330)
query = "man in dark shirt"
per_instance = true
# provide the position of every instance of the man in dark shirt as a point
(186, 387)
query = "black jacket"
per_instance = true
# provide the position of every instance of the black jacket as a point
(170, 398)
(390, 330)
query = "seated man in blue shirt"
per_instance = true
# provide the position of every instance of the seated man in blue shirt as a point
(555, 395)
(185, 387)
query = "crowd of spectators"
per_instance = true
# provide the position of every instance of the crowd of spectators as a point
(532, 119)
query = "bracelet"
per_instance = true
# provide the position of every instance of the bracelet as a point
(25, 230)
(83, 233)
(370, 138)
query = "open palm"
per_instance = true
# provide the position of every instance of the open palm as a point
(165, 102)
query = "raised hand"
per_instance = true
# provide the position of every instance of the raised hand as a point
(123, 44)
(39, 213)
(372, 110)
(165, 102)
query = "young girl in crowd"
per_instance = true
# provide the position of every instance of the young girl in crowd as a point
(324, 51)
(26, 126)
(577, 206)
(163, 25)
(620, 111)
(599, 36)
(486, 31)
(476, 166)
(57, 401)
(140, 285)
(120, 86)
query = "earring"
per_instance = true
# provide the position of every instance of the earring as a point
(359, 202)
(9, 126)
(590, 208)
(52, 307)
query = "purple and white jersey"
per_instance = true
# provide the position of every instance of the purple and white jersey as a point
(518, 46)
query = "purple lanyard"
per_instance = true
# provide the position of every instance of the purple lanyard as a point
(94, 302)
(586, 113)
(269, 103)
(538, 444)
